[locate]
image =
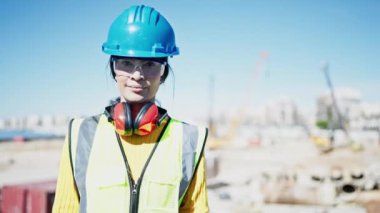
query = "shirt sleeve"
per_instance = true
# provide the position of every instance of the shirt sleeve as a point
(66, 197)
(196, 199)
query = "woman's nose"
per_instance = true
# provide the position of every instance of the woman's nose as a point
(137, 74)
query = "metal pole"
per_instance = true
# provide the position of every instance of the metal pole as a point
(325, 68)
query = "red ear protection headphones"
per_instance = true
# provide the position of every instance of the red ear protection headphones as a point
(140, 119)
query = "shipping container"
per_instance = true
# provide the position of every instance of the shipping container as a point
(34, 197)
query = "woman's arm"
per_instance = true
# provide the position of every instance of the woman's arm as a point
(66, 196)
(196, 199)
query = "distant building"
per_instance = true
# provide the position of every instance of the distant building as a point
(281, 111)
(33, 121)
(348, 104)
(369, 118)
(356, 115)
(15, 123)
(55, 124)
(2, 123)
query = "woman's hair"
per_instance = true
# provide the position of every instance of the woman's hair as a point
(161, 60)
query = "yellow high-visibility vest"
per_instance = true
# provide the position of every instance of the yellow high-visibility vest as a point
(103, 176)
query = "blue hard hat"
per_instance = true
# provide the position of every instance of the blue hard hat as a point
(141, 31)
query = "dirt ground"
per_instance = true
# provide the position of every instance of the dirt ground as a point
(31, 161)
(35, 161)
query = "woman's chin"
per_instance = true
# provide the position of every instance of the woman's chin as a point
(135, 98)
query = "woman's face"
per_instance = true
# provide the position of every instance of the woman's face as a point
(138, 80)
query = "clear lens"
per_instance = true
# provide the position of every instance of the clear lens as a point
(126, 67)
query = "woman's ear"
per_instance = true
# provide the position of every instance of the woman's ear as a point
(165, 73)
(162, 72)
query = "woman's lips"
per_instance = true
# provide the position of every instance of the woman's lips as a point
(136, 88)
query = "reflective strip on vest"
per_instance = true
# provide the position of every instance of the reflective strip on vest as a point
(192, 147)
(82, 149)
(94, 138)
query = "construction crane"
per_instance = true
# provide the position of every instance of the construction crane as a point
(325, 70)
(324, 143)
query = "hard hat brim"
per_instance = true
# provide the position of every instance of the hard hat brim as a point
(137, 53)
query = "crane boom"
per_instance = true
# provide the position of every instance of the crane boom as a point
(325, 69)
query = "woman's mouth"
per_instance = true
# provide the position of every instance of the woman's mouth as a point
(136, 88)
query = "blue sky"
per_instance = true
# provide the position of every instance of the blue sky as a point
(51, 59)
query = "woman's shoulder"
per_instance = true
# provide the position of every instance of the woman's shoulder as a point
(188, 124)
(88, 118)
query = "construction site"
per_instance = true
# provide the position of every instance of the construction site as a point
(274, 160)
(286, 89)
(278, 161)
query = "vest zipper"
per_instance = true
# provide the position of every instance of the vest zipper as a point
(135, 187)
(134, 198)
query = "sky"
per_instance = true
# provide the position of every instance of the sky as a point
(51, 60)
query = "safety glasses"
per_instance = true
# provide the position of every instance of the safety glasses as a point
(148, 68)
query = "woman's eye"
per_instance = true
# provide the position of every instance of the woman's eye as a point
(149, 64)
(126, 63)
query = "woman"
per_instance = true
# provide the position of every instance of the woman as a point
(134, 157)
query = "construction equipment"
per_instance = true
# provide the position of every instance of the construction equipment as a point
(327, 144)
(325, 69)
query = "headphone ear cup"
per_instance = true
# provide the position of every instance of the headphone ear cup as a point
(146, 119)
(122, 118)
(141, 114)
